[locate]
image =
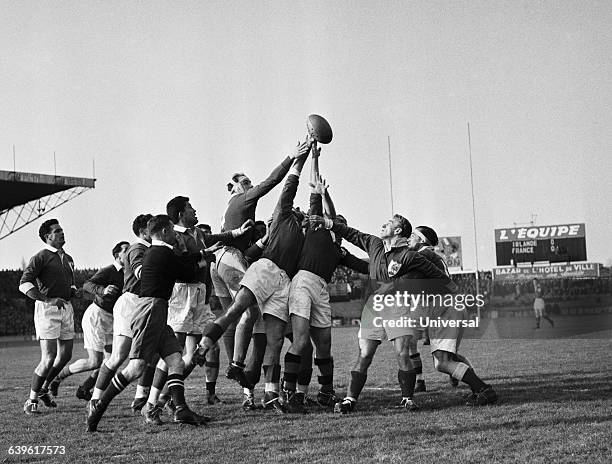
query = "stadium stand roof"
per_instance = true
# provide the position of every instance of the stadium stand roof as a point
(25, 196)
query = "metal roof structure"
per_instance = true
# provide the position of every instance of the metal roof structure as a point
(25, 196)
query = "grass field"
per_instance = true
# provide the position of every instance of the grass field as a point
(555, 406)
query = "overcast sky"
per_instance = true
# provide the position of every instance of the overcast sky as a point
(173, 97)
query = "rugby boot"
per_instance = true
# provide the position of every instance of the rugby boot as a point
(30, 407)
(83, 394)
(328, 398)
(45, 397)
(485, 396)
(346, 406)
(184, 415)
(236, 373)
(408, 404)
(138, 404)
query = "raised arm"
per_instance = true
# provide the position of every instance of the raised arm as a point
(357, 238)
(285, 202)
(354, 263)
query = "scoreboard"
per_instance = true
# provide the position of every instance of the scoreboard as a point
(559, 243)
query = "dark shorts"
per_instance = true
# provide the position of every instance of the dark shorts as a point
(152, 334)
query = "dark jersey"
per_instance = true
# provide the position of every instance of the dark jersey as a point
(108, 275)
(320, 254)
(161, 268)
(241, 206)
(285, 238)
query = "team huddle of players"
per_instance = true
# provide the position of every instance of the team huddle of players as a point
(151, 305)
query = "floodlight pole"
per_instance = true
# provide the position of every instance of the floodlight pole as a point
(390, 174)
(474, 214)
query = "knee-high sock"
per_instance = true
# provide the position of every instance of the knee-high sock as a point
(117, 385)
(90, 381)
(417, 364)
(104, 379)
(356, 384)
(176, 386)
(159, 380)
(470, 377)
(272, 374)
(292, 367)
(303, 379)
(407, 380)
(144, 383)
(36, 386)
(326, 368)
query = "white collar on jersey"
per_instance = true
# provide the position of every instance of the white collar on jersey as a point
(161, 243)
(400, 242)
(117, 266)
(143, 242)
(51, 249)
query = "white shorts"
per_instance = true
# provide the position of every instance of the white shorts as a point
(270, 285)
(97, 328)
(187, 311)
(447, 338)
(538, 307)
(227, 271)
(123, 314)
(52, 323)
(309, 298)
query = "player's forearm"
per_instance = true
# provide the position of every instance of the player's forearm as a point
(357, 238)
(275, 177)
(328, 205)
(36, 295)
(285, 203)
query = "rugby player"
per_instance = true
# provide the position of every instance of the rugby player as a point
(241, 208)
(230, 264)
(123, 313)
(161, 267)
(105, 286)
(188, 312)
(445, 341)
(49, 280)
(390, 261)
(539, 305)
(267, 281)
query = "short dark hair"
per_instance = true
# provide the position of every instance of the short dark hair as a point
(45, 228)
(204, 226)
(117, 248)
(404, 224)
(175, 206)
(341, 219)
(157, 223)
(429, 234)
(140, 223)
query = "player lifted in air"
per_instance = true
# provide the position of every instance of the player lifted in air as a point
(267, 281)
(230, 265)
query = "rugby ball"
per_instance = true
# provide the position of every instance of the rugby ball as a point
(319, 129)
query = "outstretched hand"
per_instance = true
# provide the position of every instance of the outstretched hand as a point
(319, 185)
(301, 149)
